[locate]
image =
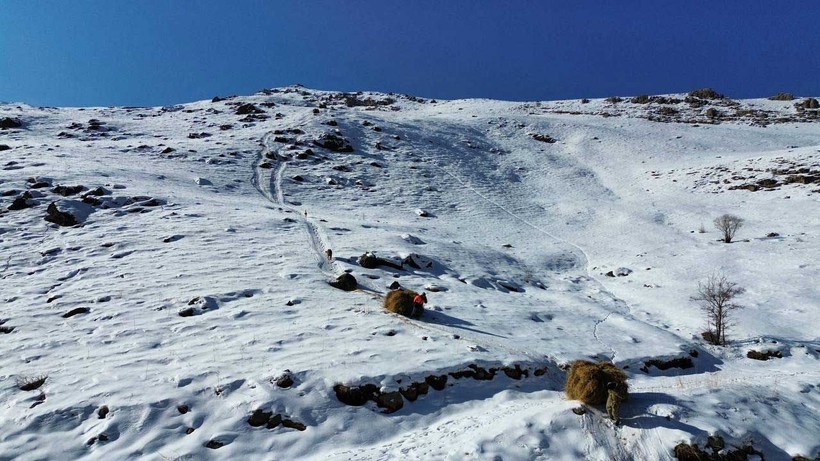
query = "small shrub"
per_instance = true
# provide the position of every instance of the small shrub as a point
(728, 225)
(587, 381)
(716, 295)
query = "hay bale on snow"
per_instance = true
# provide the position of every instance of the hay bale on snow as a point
(400, 302)
(587, 381)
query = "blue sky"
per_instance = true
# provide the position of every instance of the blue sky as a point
(156, 52)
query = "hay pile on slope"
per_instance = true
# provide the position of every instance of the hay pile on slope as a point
(400, 302)
(587, 381)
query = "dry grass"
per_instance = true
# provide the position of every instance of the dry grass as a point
(400, 302)
(587, 381)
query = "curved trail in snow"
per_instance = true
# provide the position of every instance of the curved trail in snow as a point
(274, 193)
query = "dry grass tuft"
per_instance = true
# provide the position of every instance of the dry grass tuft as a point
(586, 381)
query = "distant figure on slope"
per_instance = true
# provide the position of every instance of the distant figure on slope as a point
(329, 254)
(418, 305)
(613, 402)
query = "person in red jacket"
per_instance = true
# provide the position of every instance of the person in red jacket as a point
(418, 305)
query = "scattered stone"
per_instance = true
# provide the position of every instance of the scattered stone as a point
(706, 93)
(293, 425)
(22, 201)
(67, 212)
(102, 412)
(811, 103)
(286, 380)
(8, 122)
(355, 395)
(436, 382)
(274, 421)
(182, 409)
(259, 418)
(248, 108)
(422, 213)
(167, 150)
(579, 410)
(77, 311)
(345, 282)
(680, 362)
(213, 444)
(781, 97)
(65, 191)
(390, 401)
(334, 143)
(757, 355)
(187, 312)
(4, 147)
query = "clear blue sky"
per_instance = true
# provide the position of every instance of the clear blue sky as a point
(156, 52)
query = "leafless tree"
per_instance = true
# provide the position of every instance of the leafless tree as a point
(728, 224)
(716, 295)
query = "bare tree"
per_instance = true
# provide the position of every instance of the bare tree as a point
(716, 295)
(728, 224)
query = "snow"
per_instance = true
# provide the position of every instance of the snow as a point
(513, 237)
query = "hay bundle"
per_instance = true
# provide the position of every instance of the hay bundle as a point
(401, 302)
(587, 381)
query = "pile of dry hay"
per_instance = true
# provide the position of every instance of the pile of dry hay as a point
(587, 381)
(401, 302)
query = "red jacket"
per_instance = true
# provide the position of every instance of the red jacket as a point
(418, 300)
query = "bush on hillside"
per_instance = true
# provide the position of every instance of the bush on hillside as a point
(587, 381)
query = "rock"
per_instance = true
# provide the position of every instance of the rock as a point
(610, 274)
(706, 93)
(8, 122)
(371, 261)
(623, 271)
(102, 412)
(187, 312)
(345, 282)
(436, 382)
(772, 235)
(167, 150)
(21, 202)
(59, 217)
(259, 418)
(65, 191)
(395, 285)
(203, 182)
(213, 444)
(182, 409)
(248, 108)
(98, 192)
(4, 147)
(422, 213)
(811, 103)
(781, 97)
(293, 424)
(390, 401)
(286, 380)
(333, 142)
(579, 411)
(77, 311)
(543, 138)
(355, 395)
(274, 421)
(68, 212)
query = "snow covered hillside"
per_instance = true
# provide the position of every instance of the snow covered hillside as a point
(165, 277)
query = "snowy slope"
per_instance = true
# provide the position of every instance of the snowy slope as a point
(225, 218)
